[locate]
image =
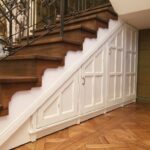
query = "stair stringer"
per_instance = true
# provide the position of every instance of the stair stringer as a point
(23, 123)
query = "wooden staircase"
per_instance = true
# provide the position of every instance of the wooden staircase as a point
(25, 68)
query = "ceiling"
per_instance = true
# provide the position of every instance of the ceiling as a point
(140, 19)
(135, 12)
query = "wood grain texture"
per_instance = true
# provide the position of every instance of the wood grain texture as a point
(126, 128)
(48, 52)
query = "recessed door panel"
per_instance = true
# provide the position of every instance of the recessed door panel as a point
(93, 83)
(130, 65)
(115, 71)
(62, 105)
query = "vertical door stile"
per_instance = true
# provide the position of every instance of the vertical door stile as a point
(106, 76)
(124, 65)
(136, 61)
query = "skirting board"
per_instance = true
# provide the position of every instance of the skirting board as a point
(129, 102)
(143, 100)
(91, 115)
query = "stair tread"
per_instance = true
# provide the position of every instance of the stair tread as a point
(54, 40)
(16, 79)
(67, 28)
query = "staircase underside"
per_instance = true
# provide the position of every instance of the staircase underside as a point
(24, 69)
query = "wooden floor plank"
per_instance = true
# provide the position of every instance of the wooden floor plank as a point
(126, 128)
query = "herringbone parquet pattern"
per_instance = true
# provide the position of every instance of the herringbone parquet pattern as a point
(126, 128)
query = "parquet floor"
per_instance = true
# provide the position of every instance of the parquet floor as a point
(126, 128)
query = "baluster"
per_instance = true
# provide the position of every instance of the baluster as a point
(34, 16)
(27, 16)
(62, 17)
(10, 29)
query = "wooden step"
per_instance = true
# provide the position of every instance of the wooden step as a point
(92, 22)
(55, 47)
(105, 13)
(102, 16)
(88, 24)
(24, 69)
(17, 79)
(75, 33)
(28, 65)
(11, 84)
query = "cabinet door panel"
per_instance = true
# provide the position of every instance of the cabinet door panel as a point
(62, 105)
(93, 83)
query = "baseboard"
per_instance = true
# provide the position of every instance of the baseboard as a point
(129, 102)
(111, 108)
(90, 115)
(143, 99)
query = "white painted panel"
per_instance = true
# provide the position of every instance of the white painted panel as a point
(111, 88)
(89, 67)
(53, 110)
(99, 95)
(70, 97)
(88, 92)
(92, 89)
(127, 85)
(132, 85)
(99, 62)
(112, 59)
(115, 73)
(120, 39)
(67, 99)
(49, 112)
(119, 61)
(131, 63)
(62, 105)
(119, 87)
(113, 42)
(128, 39)
(128, 62)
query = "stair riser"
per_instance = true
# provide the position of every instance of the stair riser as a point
(89, 23)
(26, 67)
(77, 35)
(17, 68)
(8, 90)
(4, 112)
(93, 24)
(54, 50)
(107, 16)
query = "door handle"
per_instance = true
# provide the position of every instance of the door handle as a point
(83, 80)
